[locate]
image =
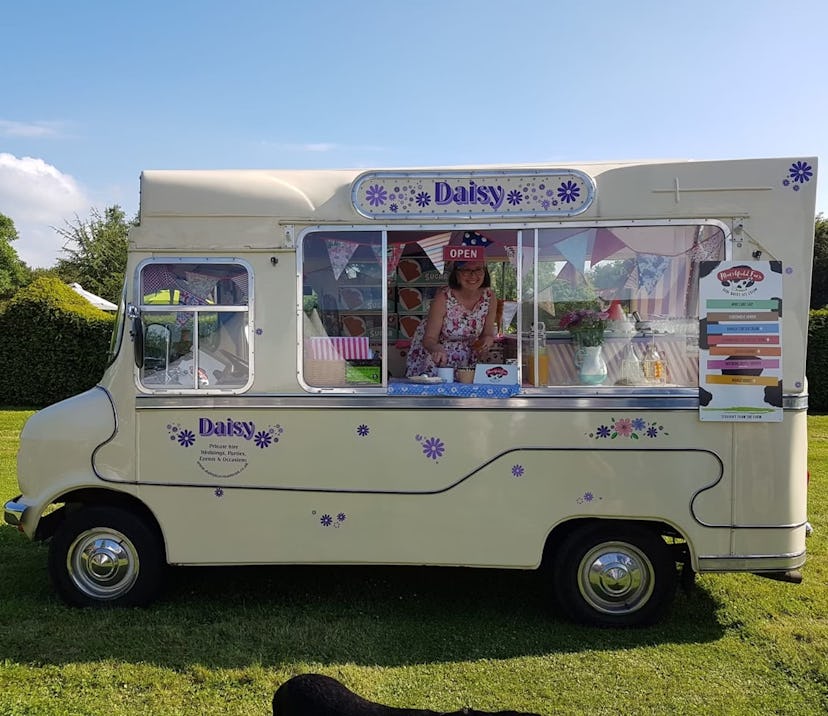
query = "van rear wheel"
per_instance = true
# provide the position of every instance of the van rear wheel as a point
(614, 575)
(105, 556)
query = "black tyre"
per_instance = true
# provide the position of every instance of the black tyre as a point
(106, 556)
(614, 574)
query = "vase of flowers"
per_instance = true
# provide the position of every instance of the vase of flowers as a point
(587, 326)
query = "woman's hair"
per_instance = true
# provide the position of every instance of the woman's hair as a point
(454, 282)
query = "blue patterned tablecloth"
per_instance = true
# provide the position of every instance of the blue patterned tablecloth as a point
(454, 390)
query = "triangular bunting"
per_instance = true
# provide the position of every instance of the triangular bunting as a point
(393, 257)
(574, 249)
(433, 247)
(339, 254)
(606, 244)
(651, 268)
(568, 274)
(511, 253)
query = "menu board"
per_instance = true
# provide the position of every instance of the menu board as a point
(740, 341)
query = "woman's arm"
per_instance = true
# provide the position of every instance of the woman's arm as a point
(487, 336)
(434, 325)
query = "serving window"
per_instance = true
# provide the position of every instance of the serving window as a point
(195, 321)
(621, 297)
(614, 306)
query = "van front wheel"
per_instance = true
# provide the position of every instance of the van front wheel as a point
(105, 556)
(614, 575)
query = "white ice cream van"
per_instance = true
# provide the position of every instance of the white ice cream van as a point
(643, 408)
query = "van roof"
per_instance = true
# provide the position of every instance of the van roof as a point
(316, 195)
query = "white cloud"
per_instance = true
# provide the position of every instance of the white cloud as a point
(313, 147)
(38, 197)
(319, 147)
(28, 130)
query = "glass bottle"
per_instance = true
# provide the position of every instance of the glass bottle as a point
(631, 373)
(653, 366)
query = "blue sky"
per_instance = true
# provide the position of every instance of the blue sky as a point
(92, 93)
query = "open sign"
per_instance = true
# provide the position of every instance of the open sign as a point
(463, 253)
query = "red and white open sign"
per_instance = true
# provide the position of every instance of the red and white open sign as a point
(463, 253)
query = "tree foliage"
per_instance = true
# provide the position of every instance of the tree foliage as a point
(819, 279)
(14, 273)
(97, 252)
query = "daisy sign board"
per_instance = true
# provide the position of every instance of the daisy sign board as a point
(740, 340)
(529, 193)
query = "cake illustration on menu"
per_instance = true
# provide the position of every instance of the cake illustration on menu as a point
(351, 298)
(409, 269)
(354, 326)
(408, 325)
(411, 298)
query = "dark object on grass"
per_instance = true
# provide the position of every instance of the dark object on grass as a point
(318, 695)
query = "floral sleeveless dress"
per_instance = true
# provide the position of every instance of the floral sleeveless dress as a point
(461, 327)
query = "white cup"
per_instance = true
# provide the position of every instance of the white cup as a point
(447, 374)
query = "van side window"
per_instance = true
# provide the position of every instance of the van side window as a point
(195, 318)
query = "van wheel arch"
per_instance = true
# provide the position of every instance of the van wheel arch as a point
(77, 499)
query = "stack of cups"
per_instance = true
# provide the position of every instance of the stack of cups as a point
(447, 374)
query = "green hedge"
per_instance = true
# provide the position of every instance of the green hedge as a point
(53, 344)
(817, 365)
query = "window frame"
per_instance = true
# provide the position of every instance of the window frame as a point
(524, 231)
(149, 309)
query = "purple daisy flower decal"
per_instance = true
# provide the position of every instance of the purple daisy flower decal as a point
(801, 172)
(186, 438)
(602, 432)
(219, 492)
(433, 448)
(588, 497)
(376, 195)
(652, 431)
(514, 197)
(262, 439)
(518, 470)
(363, 430)
(423, 199)
(340, 517)
(568, 191)
(326, 520)
(639, 424)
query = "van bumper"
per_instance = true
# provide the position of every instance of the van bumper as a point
(13, 512)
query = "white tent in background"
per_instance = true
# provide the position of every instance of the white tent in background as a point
(96, 301)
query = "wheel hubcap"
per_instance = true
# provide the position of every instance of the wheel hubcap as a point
(616, 578)
(103, 564)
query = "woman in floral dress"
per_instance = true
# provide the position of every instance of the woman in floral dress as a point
(460, 326)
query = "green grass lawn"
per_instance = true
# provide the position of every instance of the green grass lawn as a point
(222, 640)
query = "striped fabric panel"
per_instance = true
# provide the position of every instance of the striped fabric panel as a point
(340, 348)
